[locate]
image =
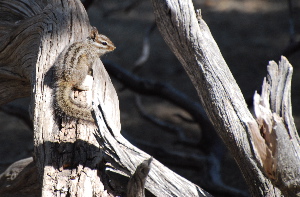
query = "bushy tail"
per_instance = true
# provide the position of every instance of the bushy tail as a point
(65, 105)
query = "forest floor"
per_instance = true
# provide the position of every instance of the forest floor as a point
(249, 34)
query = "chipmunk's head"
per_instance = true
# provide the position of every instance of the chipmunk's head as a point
(101, 42)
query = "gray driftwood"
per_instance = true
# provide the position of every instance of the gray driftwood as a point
(73, 158)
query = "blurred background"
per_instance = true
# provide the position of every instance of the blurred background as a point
(249, 34)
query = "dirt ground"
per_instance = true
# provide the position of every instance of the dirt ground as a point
(249, 33)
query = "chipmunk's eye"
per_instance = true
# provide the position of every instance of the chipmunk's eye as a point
(104, 43)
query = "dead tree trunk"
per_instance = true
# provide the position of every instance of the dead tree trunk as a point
(253, 148)
(73, 158)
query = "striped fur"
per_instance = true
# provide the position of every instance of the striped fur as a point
(71, 68)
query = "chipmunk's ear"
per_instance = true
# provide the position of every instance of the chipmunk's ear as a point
(94, 33)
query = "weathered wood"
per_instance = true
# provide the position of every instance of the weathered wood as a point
(20, 179)
(274, 115)
(73, 158)
(136, 184)
(121, 157)
(67, 154)
(20, 22)
(76, 158)
(190, 40)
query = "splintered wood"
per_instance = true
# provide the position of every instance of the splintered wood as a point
(280, 156)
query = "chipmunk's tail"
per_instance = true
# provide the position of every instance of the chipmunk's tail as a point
(65, 105)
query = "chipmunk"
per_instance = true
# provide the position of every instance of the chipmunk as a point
(72, 67)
